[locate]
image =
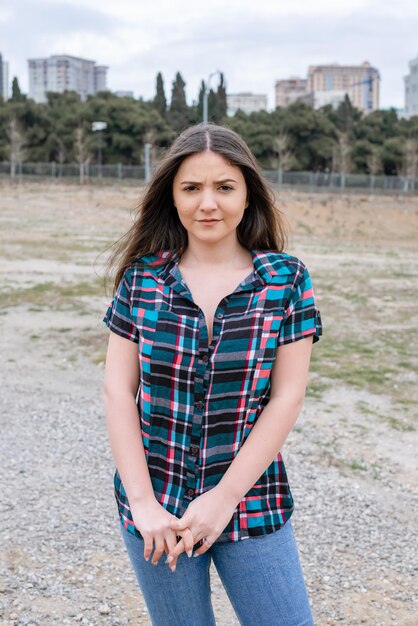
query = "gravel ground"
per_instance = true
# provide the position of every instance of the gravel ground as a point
(63, 561)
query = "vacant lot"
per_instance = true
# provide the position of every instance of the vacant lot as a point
(350, 458)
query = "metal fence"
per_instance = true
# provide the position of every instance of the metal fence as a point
(303, 181)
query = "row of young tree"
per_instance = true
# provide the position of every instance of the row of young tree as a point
(296, 138)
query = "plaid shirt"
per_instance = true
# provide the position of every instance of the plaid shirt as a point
(197, 403)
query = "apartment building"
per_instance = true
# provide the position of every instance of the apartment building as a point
(61, 73)
(289, 90)
(411, 89)
(246, 102)
(4, 78)
(330, 84)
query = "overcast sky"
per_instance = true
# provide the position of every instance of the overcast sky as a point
(254, 42)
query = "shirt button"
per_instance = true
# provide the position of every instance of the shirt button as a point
(194, 450)
(219, 316)
(204, 358)
(190, 492)
(199, 404)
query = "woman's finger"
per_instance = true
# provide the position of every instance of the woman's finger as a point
(148, 546)
(188, 540)
(179, 524)
(185, 544)
(204, 547)
(159, 549)
(173, 555)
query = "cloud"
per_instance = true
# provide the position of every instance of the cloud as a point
(254, 43)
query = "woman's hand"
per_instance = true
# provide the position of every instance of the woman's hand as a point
(153, 522)
(206, 516)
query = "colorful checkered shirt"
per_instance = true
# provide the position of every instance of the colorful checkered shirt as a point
(197, 403)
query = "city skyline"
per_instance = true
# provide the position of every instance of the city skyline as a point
(253, 46)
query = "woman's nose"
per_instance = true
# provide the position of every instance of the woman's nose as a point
(208, 200)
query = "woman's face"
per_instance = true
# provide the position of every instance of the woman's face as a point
(210, 196)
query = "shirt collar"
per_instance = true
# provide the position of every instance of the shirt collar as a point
(263, 269)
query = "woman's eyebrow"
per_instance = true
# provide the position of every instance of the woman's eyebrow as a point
(217, 182)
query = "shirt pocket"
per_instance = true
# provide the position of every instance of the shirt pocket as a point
(167, 345)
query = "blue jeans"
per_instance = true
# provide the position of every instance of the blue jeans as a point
(261, 575)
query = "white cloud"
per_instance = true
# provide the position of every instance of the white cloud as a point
(254, 43)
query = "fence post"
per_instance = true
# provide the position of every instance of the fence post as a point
(53, 169)
(120, 172)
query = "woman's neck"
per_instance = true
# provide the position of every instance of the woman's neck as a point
(217, 255)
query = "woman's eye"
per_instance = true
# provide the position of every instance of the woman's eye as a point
(225, 187)
(190, 188)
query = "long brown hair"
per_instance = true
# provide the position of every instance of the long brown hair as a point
(157, 226)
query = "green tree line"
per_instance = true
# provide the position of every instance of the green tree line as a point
(296, 138)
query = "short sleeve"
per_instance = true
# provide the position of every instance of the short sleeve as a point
(118, 316)
(302, 318)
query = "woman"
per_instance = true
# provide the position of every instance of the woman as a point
(206, 371)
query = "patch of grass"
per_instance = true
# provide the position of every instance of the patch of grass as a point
(398, 424)
(305, 227)
(364, 408)
(408, 401)
(356, 465)
(365, 375)
(100, 357)
(316, 388)
(47, 295)
(374, 365)
(406, 364)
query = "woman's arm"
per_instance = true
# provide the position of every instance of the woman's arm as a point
(120, 387)
(210, 512)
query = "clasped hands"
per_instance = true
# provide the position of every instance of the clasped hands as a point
(205, 518)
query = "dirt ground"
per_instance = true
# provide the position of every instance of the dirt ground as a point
(351, 457)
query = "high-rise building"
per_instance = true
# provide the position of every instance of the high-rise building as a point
(411, 89)
(330, 83)
(61, 73)
(247, 102)
(289, 90)
(4, 78)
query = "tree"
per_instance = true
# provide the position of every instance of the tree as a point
(342, 156)
(374, 162)
(16, 144)
(393, 156)
(212, 106)
(160, 101)
(221, 103)
(410, 164)
(17, 95)
(81, 151)
(284, 154)
(179, 111)
(200, 100)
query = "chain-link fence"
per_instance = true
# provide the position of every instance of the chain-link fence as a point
(303, 181)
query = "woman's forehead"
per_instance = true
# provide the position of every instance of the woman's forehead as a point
(207, 163)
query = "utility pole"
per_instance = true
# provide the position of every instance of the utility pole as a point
(98, 127)
(206, 95)
(147, 159)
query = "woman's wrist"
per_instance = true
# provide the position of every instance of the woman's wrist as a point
(228, 494)
(142, 499)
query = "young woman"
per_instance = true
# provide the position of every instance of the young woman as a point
(212, 329)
